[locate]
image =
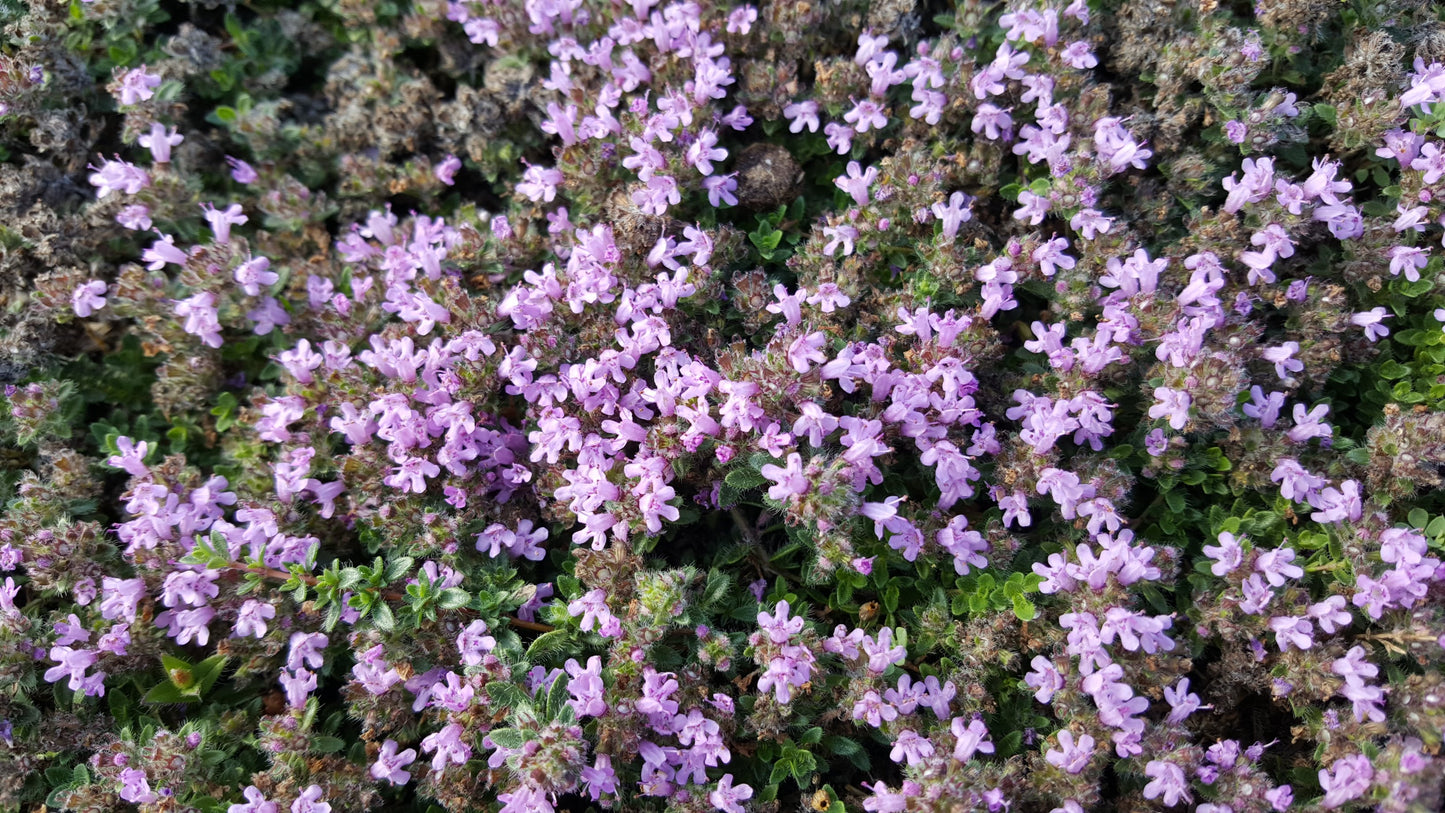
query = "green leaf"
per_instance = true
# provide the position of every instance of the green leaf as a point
(509, 738)
(208, 672)
(327, 745)
(453, 598)
(58, 776)
(382, 616)
(556, 697)
(508, 696)
(180, 673)
(1418, 517)
(165, 693)
(1024, 609)
(548, 643)
(744, 479)
(399, 567)
(781, 770)
(1392, 369)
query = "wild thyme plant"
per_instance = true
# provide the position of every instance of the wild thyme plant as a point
(538, 405)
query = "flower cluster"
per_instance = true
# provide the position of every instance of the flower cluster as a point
(708, 406)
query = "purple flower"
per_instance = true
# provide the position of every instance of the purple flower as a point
(298, 685)
(1372, 321)
(1078, 56)
(1276, 565)
(118, 176)
(72, 664)
(137, 85)
(310, 801)
(135, 216)
(251, 619)
(954, 213)
(1292, 631)
(972, 738)
(727, 796)
(159, 142)
(1256, 184)
(1116, 148)
(720, 189)
(600, 778)
(1227, 555)
(308, 649)
(1346, 780)
(1033, 207)
(241, 172)
(881, 652)
(199, 313)
(446, 171)
(1169, 781)
(222, 220)
(593, 609)
(135, 788)
(873, 709)
(1182, 702)
(787, 482)
(779, 627)
(255, 803)
(1263, 407)
(389, 764)
(1045, 679)
(254, 274)
(1072, 756)
(1171, 404)
(88, 298)
(802, 114)
(540, 184)
(993, 122)
(910, 747)
(856, 182)
(704, 150)
(449, 748)
(1282, 357)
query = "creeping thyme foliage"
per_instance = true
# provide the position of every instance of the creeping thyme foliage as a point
(538, 405)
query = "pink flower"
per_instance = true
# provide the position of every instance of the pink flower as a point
(787, 482)
(1372, 321)
(159, 142)
(1169, 781)
(222, 220)
(137, 85)
(118, 176)
(389, 764)
(136, 217)
(857, 181)
(241, 172)
(256, 802)
(806, 349)
(446, 173)
(251, 620)
(1171, 404)
(1072, 756)
(972, 739)
(727, 796)
(802, 114)
(310, 802)
(88, 298)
